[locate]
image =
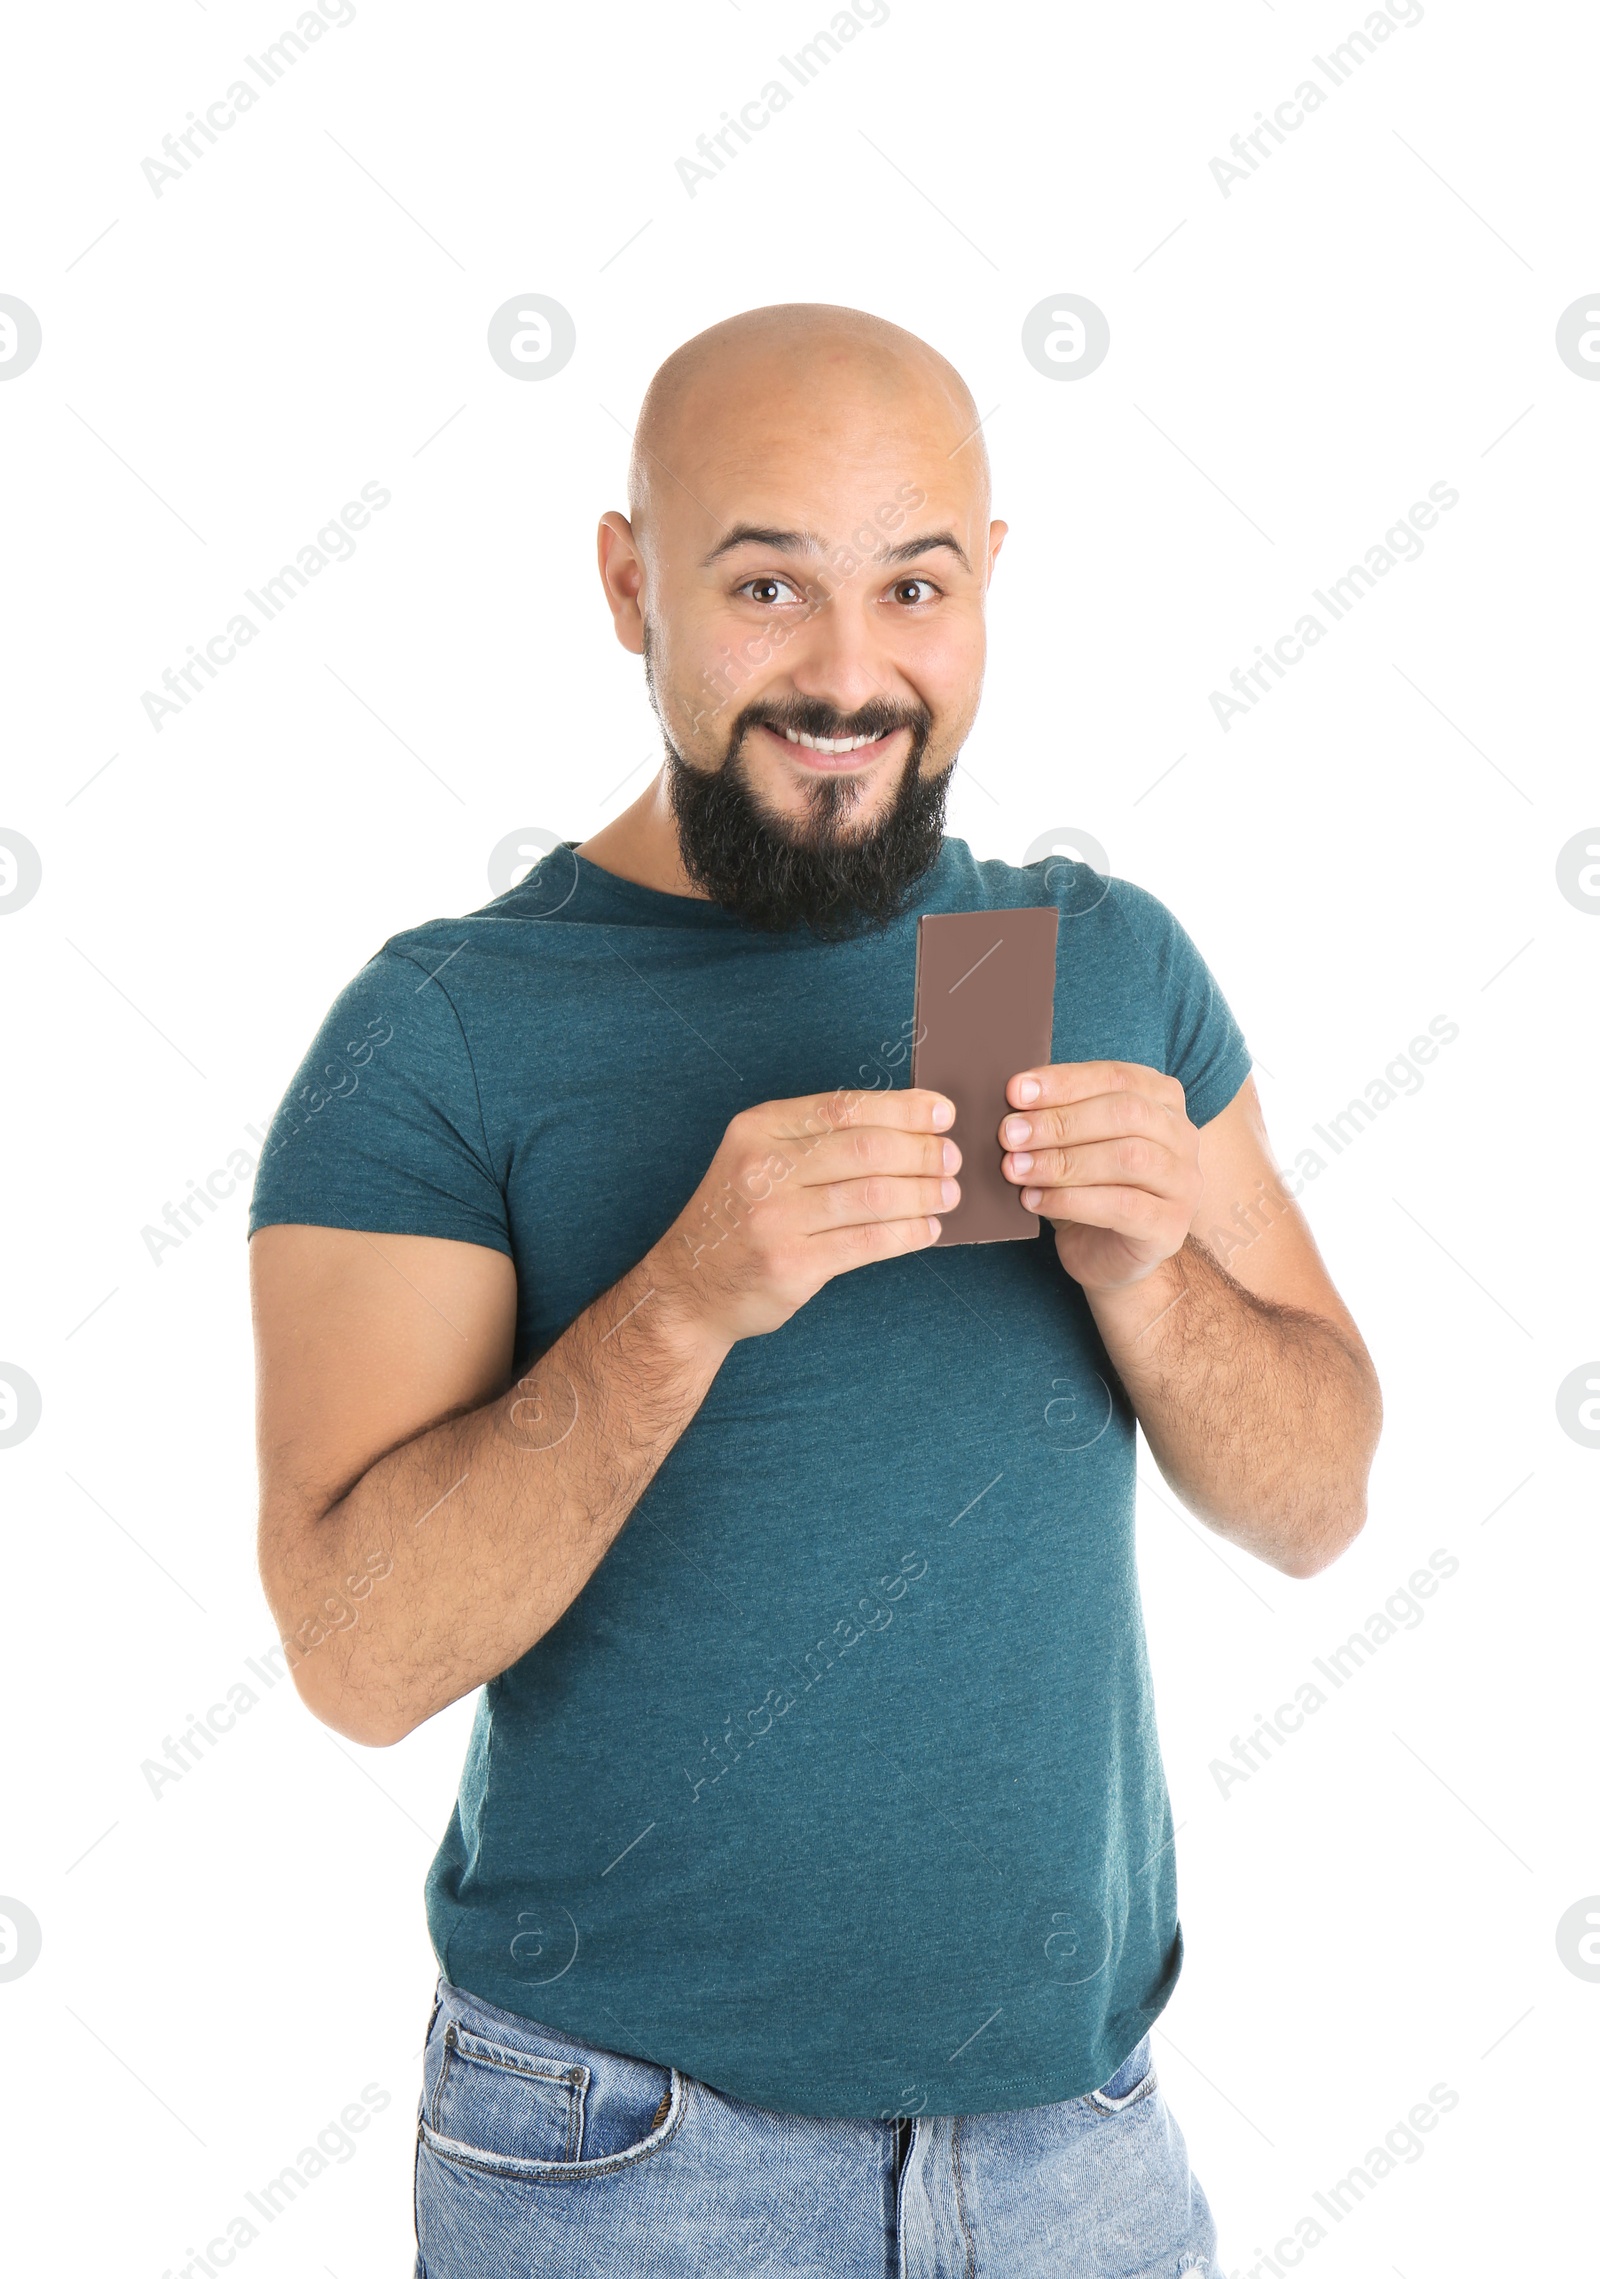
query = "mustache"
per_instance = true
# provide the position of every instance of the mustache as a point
(810, 716)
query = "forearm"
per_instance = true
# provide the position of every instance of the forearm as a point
(1262, 1417)
(454, 1553)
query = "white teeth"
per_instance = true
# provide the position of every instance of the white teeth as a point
(829, 744)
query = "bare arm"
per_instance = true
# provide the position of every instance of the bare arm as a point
(415, 1537)
(1250, 1378)
(1263, 1417)
(423, 1520)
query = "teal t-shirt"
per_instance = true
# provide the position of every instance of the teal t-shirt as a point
(838, 1784)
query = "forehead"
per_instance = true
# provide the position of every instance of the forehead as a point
(815, 448)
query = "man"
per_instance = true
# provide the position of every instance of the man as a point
(810, 1893)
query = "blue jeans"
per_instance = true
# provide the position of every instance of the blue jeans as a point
(539, 2154)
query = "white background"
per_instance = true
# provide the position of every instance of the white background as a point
(1292, 365)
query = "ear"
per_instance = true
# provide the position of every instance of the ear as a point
(997, 538)
(622, 575)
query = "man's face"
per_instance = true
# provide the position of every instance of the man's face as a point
(809, 589)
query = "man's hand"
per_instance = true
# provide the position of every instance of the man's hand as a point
(1105, 1150)
(801, 1190)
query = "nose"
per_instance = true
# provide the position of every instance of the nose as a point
(838, 656)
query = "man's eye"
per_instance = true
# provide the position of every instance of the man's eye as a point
(914, 591)
(768, 591)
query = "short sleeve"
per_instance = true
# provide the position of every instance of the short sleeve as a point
(1205, 1047)
(382, 1128)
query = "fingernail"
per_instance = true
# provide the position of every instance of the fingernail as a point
(1031, 1198)
(1022, 1164)
(933, 1228)
(1028, 1091)
(952, 1156)
(1018, 1129)
(949, 1193)
(943, 1115)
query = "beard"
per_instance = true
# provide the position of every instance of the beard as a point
(774, 873)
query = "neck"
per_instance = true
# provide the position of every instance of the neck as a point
(641, 845)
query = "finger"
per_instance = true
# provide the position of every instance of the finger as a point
(853, 1202)
(816, 1114)
(1127, 1211)
(1063, 1082)
(1099, 1116)
(873, 1148)
(843, 1248)
(1133, 1161)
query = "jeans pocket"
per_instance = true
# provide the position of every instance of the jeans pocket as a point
(505, 2106)
(1135, 2078)
(508, 2099)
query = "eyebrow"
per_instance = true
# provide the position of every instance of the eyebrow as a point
(807, 542)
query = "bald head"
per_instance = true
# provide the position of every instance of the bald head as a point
(799, 376)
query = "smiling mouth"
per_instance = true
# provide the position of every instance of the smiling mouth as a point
(833, 751)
